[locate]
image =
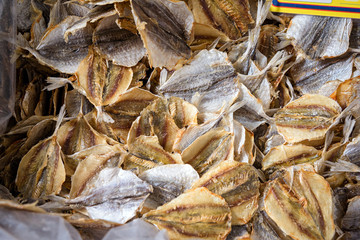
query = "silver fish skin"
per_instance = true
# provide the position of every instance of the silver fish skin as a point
(211, 75)
(169, 181)
(320, 37)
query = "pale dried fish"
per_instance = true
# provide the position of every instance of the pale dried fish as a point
(300, 203)
(238, 184)
(41, 171)
(231, 17)
(148, 148)
(102, 81)
(209, 150)
(289, 155)
(169, 181)
(347, 91)
(121, 46)
(112, 194)
(320, 37)
(197, 213)
(307, 118)
(165, 28)
(211, 75)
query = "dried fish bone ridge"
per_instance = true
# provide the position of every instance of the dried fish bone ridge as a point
(194, 119)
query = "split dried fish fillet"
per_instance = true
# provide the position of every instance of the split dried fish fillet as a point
(307, 118)
(197, 213)
(288, 155)
(102, 81)
(238, 184)
(309, 75)
(231, 17)
(300, 203)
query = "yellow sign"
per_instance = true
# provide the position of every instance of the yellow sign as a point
(332, 8)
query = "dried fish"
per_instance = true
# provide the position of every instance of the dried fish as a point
(41, 171)
(238, 184)
(347, 91)
(121, 46)
(111, 194)
(165, 28)
(310, 75)
(211, 75)
(307, 118)
(163, 118)
(148, 148)
(231, 17)
(54, 52)
(300, 203)
(77, 134)
(288, 155)
(197, 213)
(169, 181)
(351, 220)
(320, 37)
(209, 150)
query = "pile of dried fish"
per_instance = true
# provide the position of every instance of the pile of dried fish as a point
(205, 119)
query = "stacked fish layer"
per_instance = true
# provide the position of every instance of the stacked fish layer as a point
(206, 119)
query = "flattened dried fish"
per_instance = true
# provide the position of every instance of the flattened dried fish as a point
(148, 148)
(112, 194)
(121, 46)
(163, 118)
(288, 155)
(209, 150)
(54, 52)
(306, 118)
(310, 75)
(300, 203)
(351, 219)
(165, 28)
(211, 75)
(347, 91)
(168, 181)
(197, 213)
(231, 17)
(77, 135)
(102, 82)
(41, 171)
(238, 184)
(320, 37)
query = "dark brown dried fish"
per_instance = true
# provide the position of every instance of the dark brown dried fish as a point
(197, 213)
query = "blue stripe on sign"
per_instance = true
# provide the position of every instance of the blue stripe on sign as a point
(276, 3)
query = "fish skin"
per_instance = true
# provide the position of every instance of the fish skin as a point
(121, 46)
(197, 213)
(165, 28)
(320, 37)
(238, 184)
(310, 75)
